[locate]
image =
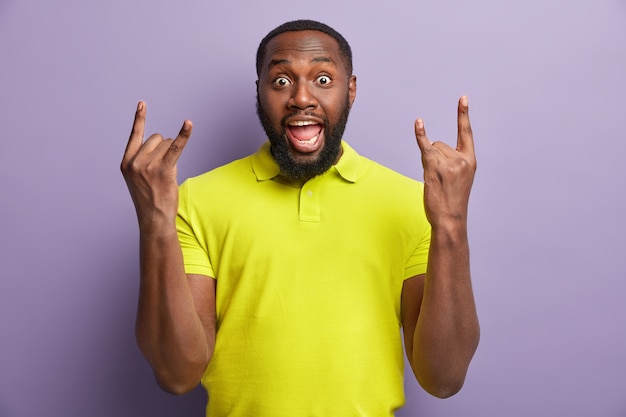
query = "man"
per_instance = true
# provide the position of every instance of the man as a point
(280, 280)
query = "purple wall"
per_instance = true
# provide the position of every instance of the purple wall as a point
(547, 88)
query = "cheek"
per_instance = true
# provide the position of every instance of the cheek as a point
(278, 97)
(271, 107)
(333, 106)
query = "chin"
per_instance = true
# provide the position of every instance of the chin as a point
(306, 158)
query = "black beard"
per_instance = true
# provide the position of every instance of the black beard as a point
(292, 169)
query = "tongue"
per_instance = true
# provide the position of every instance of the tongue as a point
(305, 132)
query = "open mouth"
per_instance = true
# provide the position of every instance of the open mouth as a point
(304, 135)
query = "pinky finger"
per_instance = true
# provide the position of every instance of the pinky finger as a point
(179, 143)
(420, 134)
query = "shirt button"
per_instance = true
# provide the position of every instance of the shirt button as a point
(309, 193)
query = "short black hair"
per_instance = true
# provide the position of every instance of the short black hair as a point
(300, 25)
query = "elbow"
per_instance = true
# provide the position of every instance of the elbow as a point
(176, 382)
(445, 377)
(175, 378)
(441, 381)
(443, 390)
(176, 387)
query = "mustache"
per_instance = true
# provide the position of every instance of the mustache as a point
(295, 113)
(266, 121)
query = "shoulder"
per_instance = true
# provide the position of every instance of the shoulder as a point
(230, 173)
(360, 169)
(374, 173)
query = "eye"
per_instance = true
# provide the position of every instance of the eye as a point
(281, 82)
(324, 79)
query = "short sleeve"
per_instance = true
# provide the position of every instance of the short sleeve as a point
(418, 260)
(195, 255)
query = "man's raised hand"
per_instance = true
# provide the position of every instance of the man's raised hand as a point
(448, 173)
(149, 169)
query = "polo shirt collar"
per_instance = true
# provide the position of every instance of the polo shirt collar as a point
(266, 168)
(348, 165)
(263, 164)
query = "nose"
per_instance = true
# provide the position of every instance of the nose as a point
(302, 97)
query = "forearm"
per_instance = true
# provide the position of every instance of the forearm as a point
(169, 331)
(447, 332)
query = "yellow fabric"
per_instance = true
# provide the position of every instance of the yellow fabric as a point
(308, 284)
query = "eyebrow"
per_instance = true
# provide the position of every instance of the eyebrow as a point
(275, 62)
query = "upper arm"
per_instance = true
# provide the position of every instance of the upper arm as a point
(203, 292)
(411, 301)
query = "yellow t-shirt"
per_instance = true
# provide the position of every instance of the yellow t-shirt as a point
(308, 284)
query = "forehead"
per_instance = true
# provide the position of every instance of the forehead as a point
(305, 44)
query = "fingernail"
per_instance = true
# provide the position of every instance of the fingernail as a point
(420, 123)
(140, 106)
(464, 100)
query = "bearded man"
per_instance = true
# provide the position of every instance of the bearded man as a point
(280, 281)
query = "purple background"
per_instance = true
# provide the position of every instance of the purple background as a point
(547, 84)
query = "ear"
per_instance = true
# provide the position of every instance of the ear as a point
(352, 89)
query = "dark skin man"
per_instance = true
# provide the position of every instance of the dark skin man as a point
(304, 90)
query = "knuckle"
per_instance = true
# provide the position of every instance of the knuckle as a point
(146, 165)
(124, 166)
(135, 164)
(460, 165)
(175, 148)
(154, 138)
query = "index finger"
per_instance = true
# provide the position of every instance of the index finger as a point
(136, 134)
(465, 138)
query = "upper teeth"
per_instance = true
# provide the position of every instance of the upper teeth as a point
(302, 123)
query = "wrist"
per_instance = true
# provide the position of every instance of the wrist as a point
(155, 223)
(450, 232)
